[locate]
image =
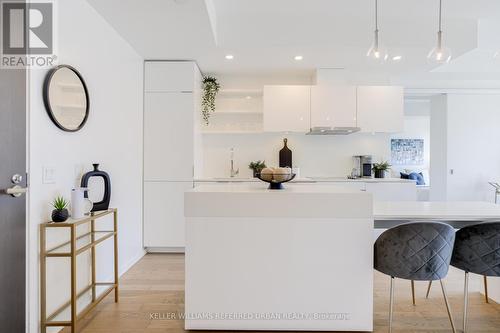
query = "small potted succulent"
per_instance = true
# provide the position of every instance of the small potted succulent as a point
(257, 167)
(381, 168)
(60, 212)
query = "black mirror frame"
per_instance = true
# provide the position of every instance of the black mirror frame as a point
(46, 98)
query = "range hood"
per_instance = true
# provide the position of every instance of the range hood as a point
(319, 130)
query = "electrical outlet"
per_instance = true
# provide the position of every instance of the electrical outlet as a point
(48, 175)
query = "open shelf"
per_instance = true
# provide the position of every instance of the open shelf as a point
(232, 132)
(83, 243)
(238, 113)
(240, 93)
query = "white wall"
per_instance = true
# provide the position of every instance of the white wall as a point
(473, 138)
(112, 137)
(439, 148)
(416, 126)
(464, 134)
(315, 155)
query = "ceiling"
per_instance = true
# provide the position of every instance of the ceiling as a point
(265, 35)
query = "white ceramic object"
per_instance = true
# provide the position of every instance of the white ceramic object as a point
(79, 204)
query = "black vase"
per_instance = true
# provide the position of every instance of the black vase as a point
(60, 215)
(379, 173)
(256, 173)
(104, 203)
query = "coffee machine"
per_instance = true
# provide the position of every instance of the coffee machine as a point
(362, 166)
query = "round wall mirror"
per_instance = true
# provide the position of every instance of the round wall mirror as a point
(66, 98)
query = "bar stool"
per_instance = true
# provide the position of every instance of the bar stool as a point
(419, 251)
(477, 250)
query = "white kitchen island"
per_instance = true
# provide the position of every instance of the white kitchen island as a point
(293, 259)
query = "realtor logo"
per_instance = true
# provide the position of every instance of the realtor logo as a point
(27, 34)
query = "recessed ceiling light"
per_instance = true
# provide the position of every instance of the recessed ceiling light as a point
(229, 57)
(298, 57)
(397, 58)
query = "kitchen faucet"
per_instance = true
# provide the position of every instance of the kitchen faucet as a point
(233, 171)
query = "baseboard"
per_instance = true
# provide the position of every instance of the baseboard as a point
(131, 262)
(170, 249)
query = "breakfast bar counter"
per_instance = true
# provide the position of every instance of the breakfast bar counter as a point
(294, 259)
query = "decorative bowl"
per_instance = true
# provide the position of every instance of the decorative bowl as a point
(277, 184)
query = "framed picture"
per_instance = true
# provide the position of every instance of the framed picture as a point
(407, 151)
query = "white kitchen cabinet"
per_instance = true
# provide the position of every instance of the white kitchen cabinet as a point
(172, 148)
(164, 213)
(170, 76)
(333, 106)
(168, 136)
(380, 109)
(392, 191)
(287, 108)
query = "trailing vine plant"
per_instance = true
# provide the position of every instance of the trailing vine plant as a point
(210, 89)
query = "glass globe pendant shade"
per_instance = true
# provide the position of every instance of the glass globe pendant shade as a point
(439, 54)
(377, 52)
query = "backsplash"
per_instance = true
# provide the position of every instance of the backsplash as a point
(314, 155)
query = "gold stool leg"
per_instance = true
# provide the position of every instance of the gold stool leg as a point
(428, 289)
(486, 289)
(466, 300)
(391, 304)
(447, 306)
(413, 291)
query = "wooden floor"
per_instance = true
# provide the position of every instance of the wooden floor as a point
(155, 286)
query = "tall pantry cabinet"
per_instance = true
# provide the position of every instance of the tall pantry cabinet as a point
(172, 149)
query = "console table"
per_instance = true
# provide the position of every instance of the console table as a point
(77, 244)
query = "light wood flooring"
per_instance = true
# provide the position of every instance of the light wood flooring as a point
(155, 285)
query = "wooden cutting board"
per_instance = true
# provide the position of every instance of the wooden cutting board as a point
(285, 155)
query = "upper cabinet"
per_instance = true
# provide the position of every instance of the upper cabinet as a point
(298, 108)
(182, 76)
(287, 108)
(333, 106)
(380, 109)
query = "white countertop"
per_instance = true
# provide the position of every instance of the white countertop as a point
(449, 210)
(308, 180)
(252, 188)
(307, 201)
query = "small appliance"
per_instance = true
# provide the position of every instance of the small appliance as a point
(362, 166)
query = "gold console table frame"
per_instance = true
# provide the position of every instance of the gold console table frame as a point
(70, 249)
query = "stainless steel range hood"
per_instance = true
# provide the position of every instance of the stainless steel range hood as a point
(333, 130)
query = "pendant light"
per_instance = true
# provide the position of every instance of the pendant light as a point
(377, 52)
(439, 54)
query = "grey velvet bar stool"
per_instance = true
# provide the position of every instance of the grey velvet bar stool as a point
(419, 251)
(477, 250)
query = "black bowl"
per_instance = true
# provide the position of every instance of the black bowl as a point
(276, 184)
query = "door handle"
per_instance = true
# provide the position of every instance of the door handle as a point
(16, 191)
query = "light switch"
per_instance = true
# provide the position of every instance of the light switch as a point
(48, 175)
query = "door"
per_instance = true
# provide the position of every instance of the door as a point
(12, 208)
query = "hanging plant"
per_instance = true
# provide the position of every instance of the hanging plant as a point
(210, 89)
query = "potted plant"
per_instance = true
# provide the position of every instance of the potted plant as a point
(257, 167)
(210, 89)
(381, 168)
(60, 212)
